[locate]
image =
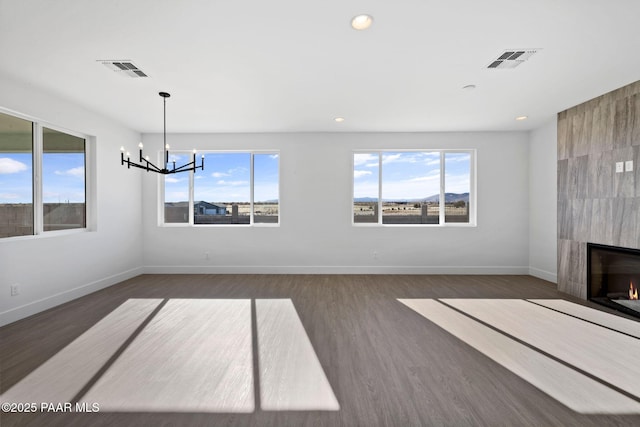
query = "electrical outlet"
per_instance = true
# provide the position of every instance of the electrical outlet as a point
(375, 254)
(15, 290)
(206, 255)
(619, 167)
(628, 166)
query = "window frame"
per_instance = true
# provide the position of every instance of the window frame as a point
(441, 206)
(190, 222)
(37, 178)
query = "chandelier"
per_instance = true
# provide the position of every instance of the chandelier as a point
(146, 164)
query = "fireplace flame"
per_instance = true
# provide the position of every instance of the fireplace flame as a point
(633, 291)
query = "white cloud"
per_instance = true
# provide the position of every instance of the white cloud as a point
(9, 196)
(274, 156)
(171, 180)
(232, 183)
(431, 176)
(428, 158)
(360, 173)
(457, 183)
(239, 169)
(427, 178)
(8, 165)
(176, 196)
(219, 174)
(76, 172)
(369, 160)
(365, 189)
(458, 157)
(265, 191)
(391, 158)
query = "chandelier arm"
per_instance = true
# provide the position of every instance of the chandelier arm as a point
(187, 167)
(183, 168)
(145, 164)
(153, 167)
(136, 165)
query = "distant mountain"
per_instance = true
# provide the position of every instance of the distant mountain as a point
(448, 198)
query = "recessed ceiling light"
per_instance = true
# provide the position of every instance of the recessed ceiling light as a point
(361, 22)
(521, 118)
(339, 119)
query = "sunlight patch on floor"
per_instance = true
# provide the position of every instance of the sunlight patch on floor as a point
(186, 355)
(61, 377)
(291, 377)
(194, 356)
(570, 387)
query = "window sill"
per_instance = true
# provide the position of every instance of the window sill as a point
(46, 235)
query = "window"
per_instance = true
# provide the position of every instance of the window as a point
(235, 188)
(366, 187)
(42, 178)
(266, 188)
(413, 187)
(457, 186)
(63, 180)
(16, 176)
(176, 198)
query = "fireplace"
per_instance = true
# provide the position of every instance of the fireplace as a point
(613, 276)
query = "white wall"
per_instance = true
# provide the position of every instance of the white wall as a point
(316, 235)
(57, 268)
(515, 232)
(543, 202)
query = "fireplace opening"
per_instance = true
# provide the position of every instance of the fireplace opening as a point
(613, 277)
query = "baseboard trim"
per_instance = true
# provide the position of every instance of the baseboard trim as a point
(46, 303)
(544, 275)
(43, 304)
(242, 269)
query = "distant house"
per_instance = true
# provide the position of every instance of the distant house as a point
(206, 208)
(179, 211)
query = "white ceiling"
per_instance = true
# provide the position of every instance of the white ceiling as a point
(292, 65)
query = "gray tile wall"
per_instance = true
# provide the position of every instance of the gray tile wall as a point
(596, 204)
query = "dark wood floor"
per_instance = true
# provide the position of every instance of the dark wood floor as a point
(387, 365)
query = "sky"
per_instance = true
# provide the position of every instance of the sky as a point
(409, 174)
(226, 178)
(63, 178)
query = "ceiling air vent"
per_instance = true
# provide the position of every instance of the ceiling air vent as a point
(124, 67)
(512, 58)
